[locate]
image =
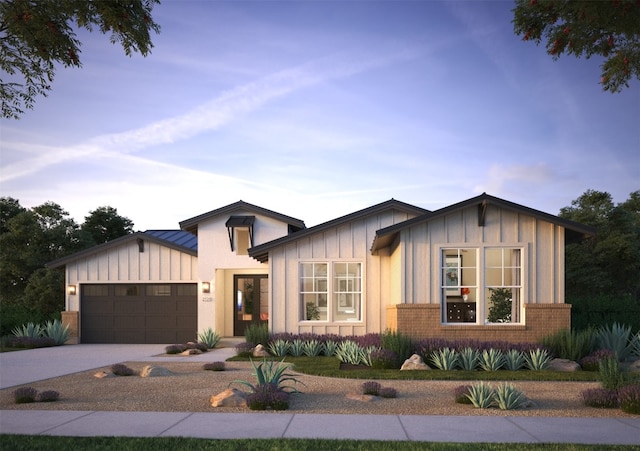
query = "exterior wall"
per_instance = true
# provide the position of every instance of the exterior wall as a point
(423, 321)
(216, 263)
(349, 241)
(418, 309)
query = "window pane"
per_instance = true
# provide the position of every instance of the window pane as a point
(313, 291)
(187, 289)
(95, 290)
(158, 290)
(503, 281)
(126, 290)
(347, 296)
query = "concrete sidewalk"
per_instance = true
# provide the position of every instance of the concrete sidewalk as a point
(23, 367)
(470, 429)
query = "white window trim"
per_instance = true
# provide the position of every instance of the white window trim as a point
(330, 292)
(481, 308)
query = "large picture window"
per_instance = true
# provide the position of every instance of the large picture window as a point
(481, 285)
(331, 291)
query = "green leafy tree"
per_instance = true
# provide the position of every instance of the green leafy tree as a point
(44, 293)
(9, 207)
(37, 35)
(610, 29)
(105, 224)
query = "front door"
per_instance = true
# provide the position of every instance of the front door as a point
(251, 301)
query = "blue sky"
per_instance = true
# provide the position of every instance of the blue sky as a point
(316, 109)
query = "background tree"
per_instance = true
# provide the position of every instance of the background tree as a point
(35, 35)
(602, 274)
(610, 29)
(105, 224)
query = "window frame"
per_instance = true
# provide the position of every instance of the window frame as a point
(481, 287)
(334, 294)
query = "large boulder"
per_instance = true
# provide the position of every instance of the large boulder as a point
(231, 397)
(260, 351)
(563, 365)
(414, 362)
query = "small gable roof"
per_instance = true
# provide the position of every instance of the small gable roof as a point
(574, 231)
(175, 239)
(191, 225)
(261, 252)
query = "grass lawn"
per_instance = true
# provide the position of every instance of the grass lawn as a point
(51, 443)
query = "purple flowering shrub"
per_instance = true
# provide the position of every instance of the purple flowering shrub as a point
(603, 398)
(120, 369)
(388, 392)
(244, 349)
(214, 366)
(384, 359)
(460, 393)
(629, 398)
(268, 396)
(48, 396)
(592, 361)
(371, 388)
(25, 395)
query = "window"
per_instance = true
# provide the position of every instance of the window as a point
(481, 285)
(158, 290)
(334, 296)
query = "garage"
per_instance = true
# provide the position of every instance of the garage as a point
(160, 313)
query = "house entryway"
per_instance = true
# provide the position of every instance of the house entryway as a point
(250, 301)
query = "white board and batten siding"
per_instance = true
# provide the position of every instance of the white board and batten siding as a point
(126, 264)
(416, 262)
(346, 242)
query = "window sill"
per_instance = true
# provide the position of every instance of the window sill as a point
(492, 326)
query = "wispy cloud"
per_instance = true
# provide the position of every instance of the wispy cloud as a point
(209, 116)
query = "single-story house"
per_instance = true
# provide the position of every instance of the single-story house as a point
(484, 268)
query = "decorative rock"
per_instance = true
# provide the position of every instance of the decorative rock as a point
(191, 352)
(154, 371)
(563, 365)
(414, 362)
(102, 375)
(363, 398)
(231, 397)
(634, 366)
(260, 351)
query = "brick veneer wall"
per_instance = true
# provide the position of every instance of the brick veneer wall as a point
(71, 319)
(423, 321)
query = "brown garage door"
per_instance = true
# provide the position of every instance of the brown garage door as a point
(138, 313)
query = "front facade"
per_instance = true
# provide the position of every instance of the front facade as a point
(485, 268)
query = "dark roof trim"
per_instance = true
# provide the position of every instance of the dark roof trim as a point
(192, 223)
(574, 231)
(135, 237)
(261, 252)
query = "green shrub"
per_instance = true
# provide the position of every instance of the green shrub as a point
(120, 369)
(629, 398)
(635, 345)
(537, 359)
(214, 366)
(48, 396)
(244, 349)
(610, 375)
(571, 344)
(257, 333)
(491, 359)
(175, 349)
(508, 397)
(384, 359)
(56, 331)
(592, 361)
(209, 338)
(24, 395)
(371, 388)
(445, 359)
(399, 343)
(461, 394)
(616, 338)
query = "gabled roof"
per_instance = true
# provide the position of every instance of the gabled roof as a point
(191, 225)
(175, 239)
(261, 252)
(574, 231)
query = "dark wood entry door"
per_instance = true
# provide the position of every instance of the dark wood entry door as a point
(250, 301)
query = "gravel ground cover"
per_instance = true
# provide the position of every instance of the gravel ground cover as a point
(190, 388)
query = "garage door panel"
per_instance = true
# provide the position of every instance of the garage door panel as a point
(142, 316)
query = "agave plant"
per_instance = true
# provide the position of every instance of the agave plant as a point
(514, 360)
(209, 338)
(29, 330)
(508, 397)
(349, 352)
(468, 358)
(491, 359)
(537, 359)
(312, 348)
(616, 338)
(635, 345)
(56, 331)
(329, 348)
(481, 395)
(445, 359)
(273, 374)
(297, 347)
(279, 347)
